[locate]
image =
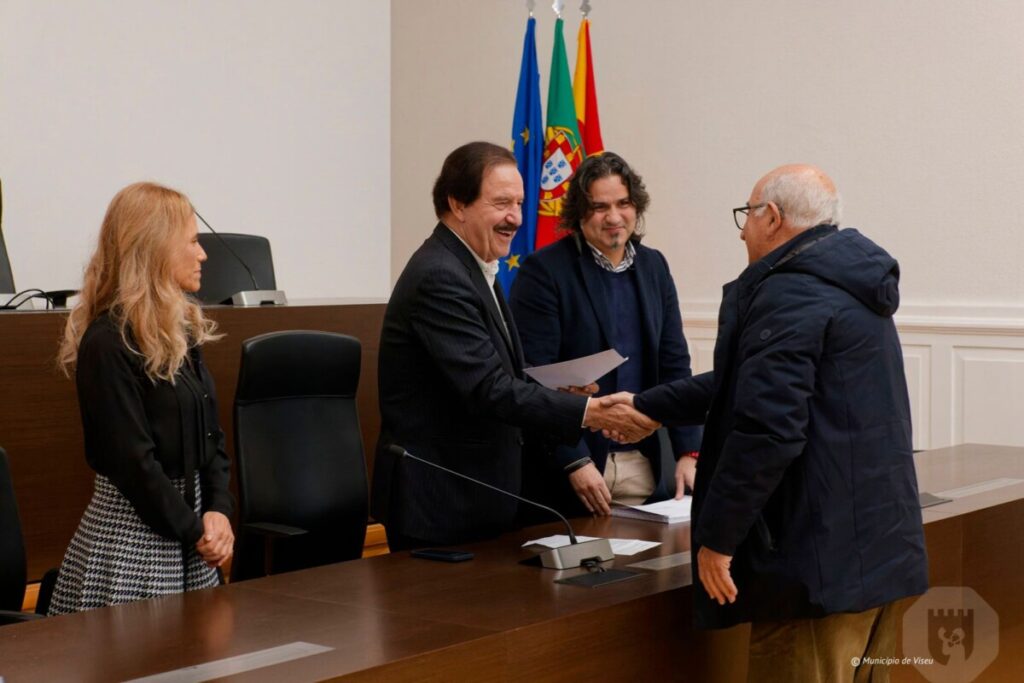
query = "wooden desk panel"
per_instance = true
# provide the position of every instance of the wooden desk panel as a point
(421, 589)
(40, 426)
(182, 630)
(397, 618)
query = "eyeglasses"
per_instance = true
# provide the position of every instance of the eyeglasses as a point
(745, 209)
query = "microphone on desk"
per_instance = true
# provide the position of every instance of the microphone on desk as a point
(256, 296)
(566, 557)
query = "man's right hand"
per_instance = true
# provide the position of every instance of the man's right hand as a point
(616, 417)
(591, 488)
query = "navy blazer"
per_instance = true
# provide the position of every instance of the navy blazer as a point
(452, 392)
(561, 304)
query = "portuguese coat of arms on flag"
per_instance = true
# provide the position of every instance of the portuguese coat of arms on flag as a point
(562, 150)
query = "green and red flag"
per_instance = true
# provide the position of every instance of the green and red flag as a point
(585, 94)
(562, 149)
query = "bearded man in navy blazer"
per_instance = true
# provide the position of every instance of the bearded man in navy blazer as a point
(452, 389)
(596, 289)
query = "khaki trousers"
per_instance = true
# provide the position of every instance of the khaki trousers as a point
(824, 650)
(629, 477)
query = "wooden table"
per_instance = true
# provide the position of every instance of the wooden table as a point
(396, 618)
(41, 430)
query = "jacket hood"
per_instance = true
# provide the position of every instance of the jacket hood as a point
(848, 260)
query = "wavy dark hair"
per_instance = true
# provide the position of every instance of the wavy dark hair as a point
(576, 206)
(463, 172)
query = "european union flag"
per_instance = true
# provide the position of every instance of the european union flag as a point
(528, 146)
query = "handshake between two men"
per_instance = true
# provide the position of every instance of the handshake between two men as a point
(616, 418)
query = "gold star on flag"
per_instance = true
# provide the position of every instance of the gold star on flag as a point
(512, 261)
(525, 135)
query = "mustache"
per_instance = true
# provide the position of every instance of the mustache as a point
(506, 226)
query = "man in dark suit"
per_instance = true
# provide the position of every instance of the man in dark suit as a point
(452, 389)
(599, 288)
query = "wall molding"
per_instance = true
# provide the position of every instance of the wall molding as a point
(963, 365)
(990, 320)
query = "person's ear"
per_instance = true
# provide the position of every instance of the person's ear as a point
(457, 208)
(774, 220)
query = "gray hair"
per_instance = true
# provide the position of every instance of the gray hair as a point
(803, 199)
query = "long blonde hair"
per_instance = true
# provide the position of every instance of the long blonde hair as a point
(130, 277)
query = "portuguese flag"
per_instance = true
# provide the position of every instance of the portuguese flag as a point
(562, 149)
(585, 94)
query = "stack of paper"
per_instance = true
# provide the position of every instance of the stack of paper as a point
(668, 511)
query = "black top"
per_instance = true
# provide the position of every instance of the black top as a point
(141, 434)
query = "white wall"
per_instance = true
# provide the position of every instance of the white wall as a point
(915, 108)
(274, 117)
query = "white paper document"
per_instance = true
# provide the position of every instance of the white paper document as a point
(620, 546)
(669, 511)
(578, 372)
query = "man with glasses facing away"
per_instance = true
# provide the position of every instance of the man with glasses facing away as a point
(806, 519)
(600, 288)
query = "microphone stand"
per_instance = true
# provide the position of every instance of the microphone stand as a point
(566, 557)
(255, 296)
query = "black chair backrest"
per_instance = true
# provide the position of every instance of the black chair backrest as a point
(6, 276)
(12, 544)
(299, 446)
(224, 276)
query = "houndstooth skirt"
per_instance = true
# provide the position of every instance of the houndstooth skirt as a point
(115, 557)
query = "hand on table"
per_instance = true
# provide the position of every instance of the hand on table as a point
(591, 488)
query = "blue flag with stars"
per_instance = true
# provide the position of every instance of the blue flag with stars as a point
(528, 146)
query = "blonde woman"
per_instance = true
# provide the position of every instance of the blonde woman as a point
(158, 520)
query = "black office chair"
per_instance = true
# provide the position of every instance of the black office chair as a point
(58, 297)
(6, 276)
(224, 274)
(12, 558)
(301, 470)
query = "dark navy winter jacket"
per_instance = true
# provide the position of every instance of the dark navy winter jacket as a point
(806, 474)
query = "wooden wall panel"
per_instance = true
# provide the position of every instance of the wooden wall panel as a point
(40, 426)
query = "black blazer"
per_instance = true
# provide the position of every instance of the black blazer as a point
(561, 304)
(452, 391)
(141, 434)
